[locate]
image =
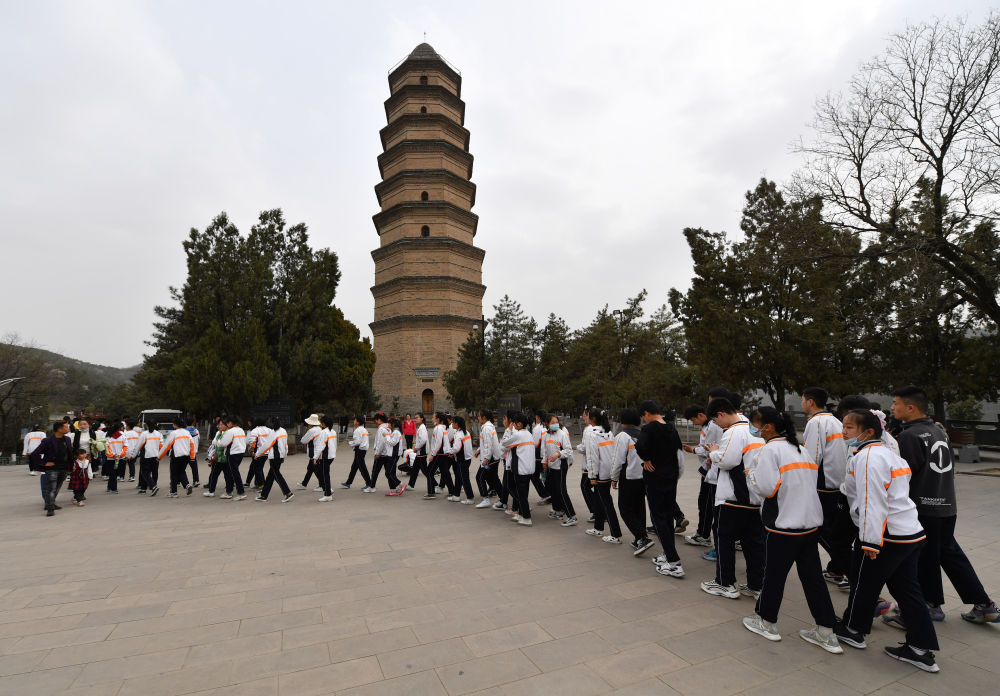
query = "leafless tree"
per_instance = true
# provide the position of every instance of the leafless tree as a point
(925, 115)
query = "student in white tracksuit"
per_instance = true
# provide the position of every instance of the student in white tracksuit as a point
(359, 443)
(585, 486)
(234, 442)
(489, 454)
(890, 538)
(785, 477)
(420, 461)
(557, 458)
(149, 450)
(461, 449)
(273, 446)
(824, 441)
(599, 454)
(521, 450)
(179, 445)
(327, 449)
(626, 472)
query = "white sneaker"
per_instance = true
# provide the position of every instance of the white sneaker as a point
(757, 625)
(302, 486)
(208, 494)
(467, 502)
(714, 588)
(828, 642)
(659, 560)
(318, 489)
(569, 522)
(241, 497)
(595, 532)
(226, 496)
(498, 506)
(674, 570)
(524, 523)
(611, 539)
(484, 503)
(326, 499)
(32, 473)
(454, 498)
(516, 517)
(438, 489)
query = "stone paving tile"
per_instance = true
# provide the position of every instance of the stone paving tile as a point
(419, 658)
(507, 638)
(635, 664)
(485, 672)
(326, 680)
(397, 596)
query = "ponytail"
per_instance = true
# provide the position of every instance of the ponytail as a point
(782, 422)
(600, 417)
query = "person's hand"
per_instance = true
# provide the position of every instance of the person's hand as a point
(688, 448)
(712, 446)
(648, 466)
(50, 463)
(593, 482)
(614, 484)
(872, 554)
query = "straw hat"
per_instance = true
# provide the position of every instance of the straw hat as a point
(313, 419)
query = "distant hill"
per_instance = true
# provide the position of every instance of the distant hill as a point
(90, 373)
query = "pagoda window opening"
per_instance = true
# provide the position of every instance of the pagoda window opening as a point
(424, 196)
(423, 79)
(425, 231)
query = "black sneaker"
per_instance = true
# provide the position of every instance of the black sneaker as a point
(839, 581)
(154, 491)
(845, 634)
(644, 546)
(190, 489)
(904, 653)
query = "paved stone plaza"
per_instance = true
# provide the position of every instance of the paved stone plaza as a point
(372, 595)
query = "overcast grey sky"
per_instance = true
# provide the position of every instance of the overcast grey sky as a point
(599, 130)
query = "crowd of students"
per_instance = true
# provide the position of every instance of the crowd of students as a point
(882, 506)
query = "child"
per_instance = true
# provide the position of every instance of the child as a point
(117, 452)
(890, 540)
(489, 453)
(461, 448)
(599, 454)
(557, 457)
(626, 473)
(359, 443)
(520, 446)
(79, 477)
(786, 478)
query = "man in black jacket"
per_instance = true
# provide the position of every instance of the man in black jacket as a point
(658, 446)
(55, 456)
(925, 447)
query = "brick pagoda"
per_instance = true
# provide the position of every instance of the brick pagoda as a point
(428, 273)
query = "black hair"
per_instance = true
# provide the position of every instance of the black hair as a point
(420, 415)
(868, 420)
(541, 415)
(274, 423)
(736, 399)
(443, 417)
(817, 395)
(550, 416)
(81, 450)
(716, 392)
(178, 422)
(512, 415)
(393, 422)
(150, 426)
(520, 419)
(629, 416)
(232, 420)
(486, 413)
(782, 422)
(912, 395)
(720, 405)
(691, 411)
(459, 423)
(600, 417)
(327, 421)
(360, 417)
(851, 402)
(649, 406)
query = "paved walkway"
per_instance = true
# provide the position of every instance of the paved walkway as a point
(373, 595)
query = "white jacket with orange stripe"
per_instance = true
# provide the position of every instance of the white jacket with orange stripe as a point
(824, 440)
(326, 444)
(462, 442)
(785, 477)
(737, 452)
(625, 457)
(600, 454)
(522, 447)
(178, 443)
(878, 497)
(557, 447)
(272, 444)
